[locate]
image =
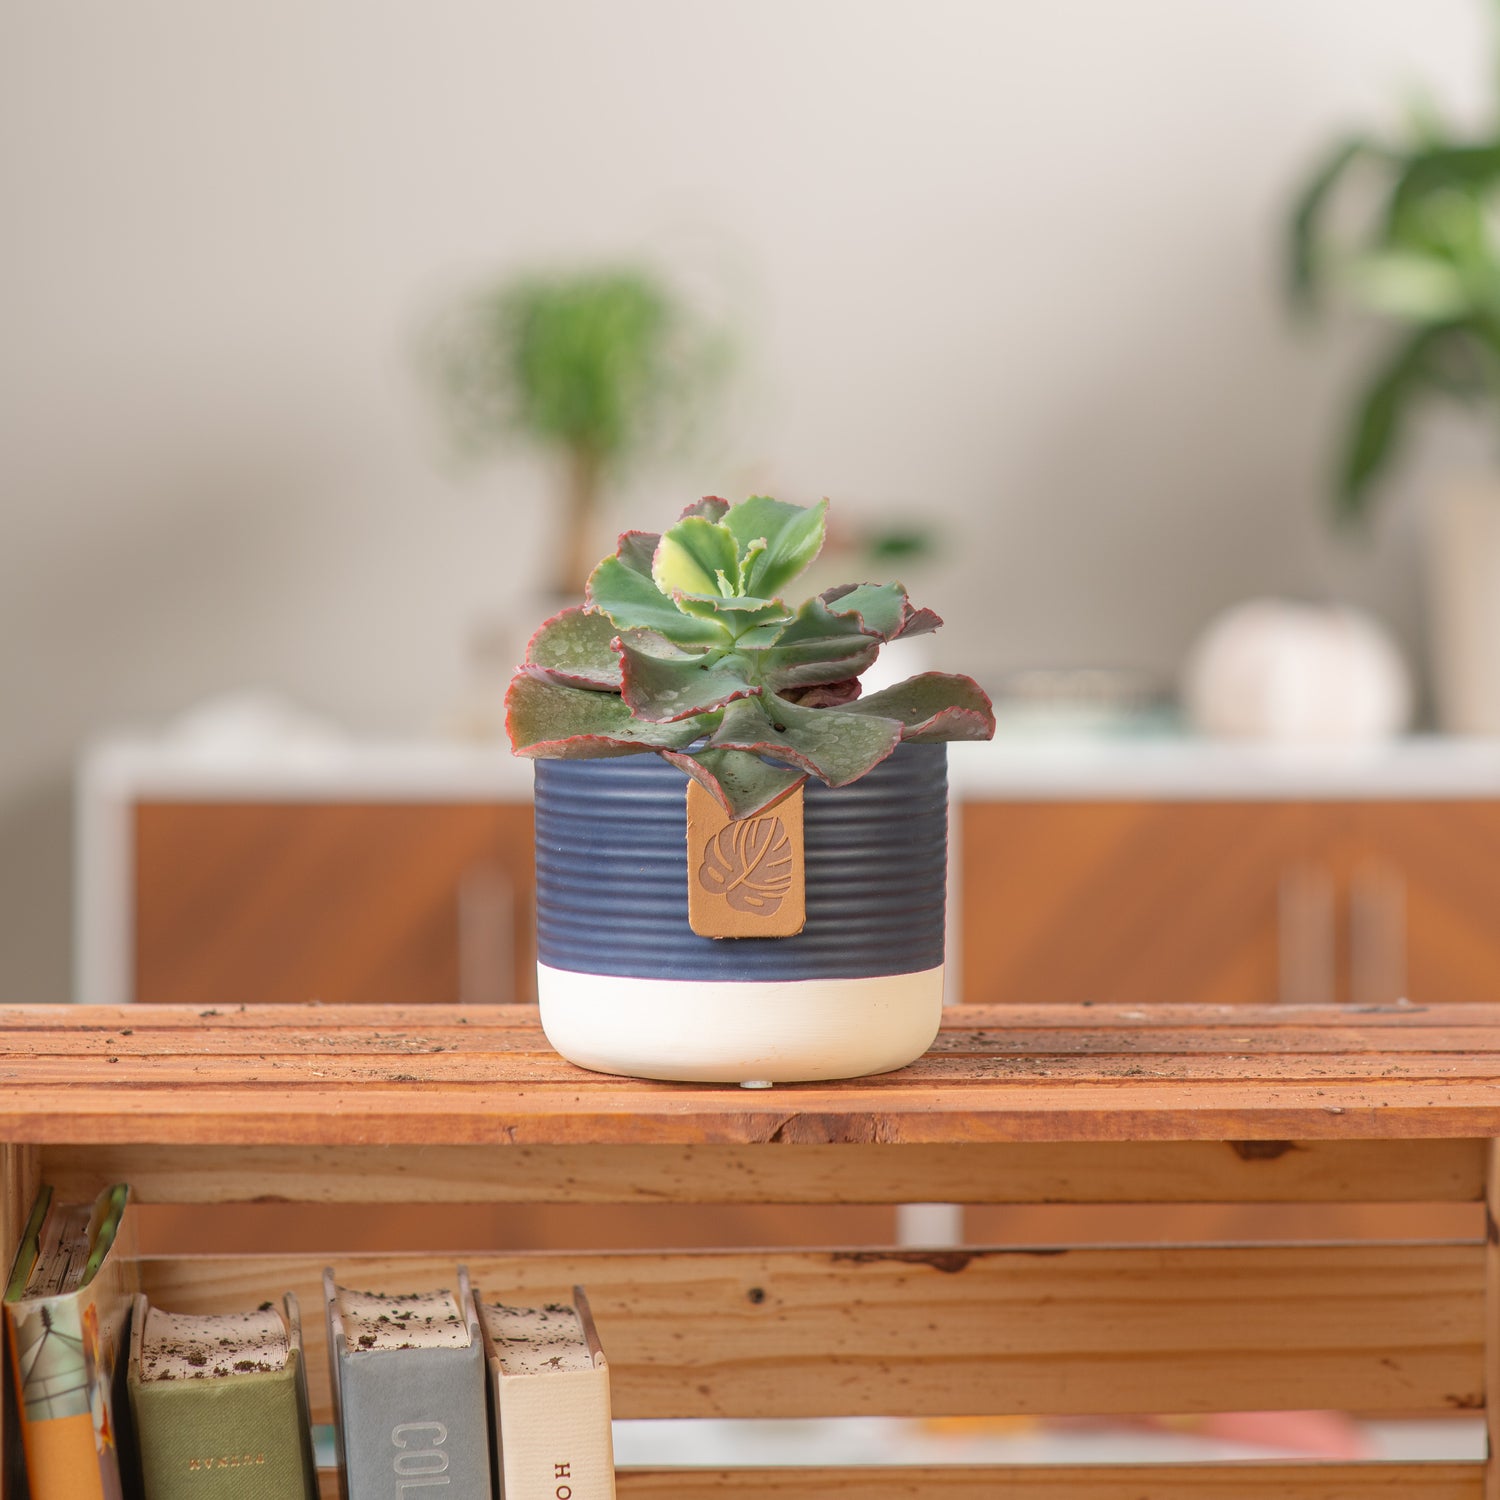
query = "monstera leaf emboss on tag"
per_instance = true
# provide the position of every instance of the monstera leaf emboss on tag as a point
(749, 864)
(745, 876)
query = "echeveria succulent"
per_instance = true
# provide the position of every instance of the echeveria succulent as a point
(685, 647)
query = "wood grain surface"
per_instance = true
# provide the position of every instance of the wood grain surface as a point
(1370, 1328)
(1119, 901)
(349, 1076)
(1220, 1481)
(1225, 1481)
(344, 902)
(1123, 1172)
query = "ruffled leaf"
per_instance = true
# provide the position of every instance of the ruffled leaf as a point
(577, 647)
(636, 549)
(697, 556)
(738, 614)
(624, 591)
(934, 706)
(741, 784)
(817, 646)
(661, 683)
(883, 608)
(793, 535)
(710, 507)
(548, 720)
(835, 746)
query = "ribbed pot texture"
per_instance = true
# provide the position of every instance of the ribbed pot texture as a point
(611, 867)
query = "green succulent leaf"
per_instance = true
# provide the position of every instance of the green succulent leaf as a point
(740, 783)
(793, 535)
(817, 646)
(577, 647)
(933, 706)
(739, 614)
(836, 746)
(662, 684)
(632, 601)
(883, 608)
(547, 719)
(697, 556)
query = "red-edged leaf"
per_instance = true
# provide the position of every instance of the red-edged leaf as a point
(934, 706)
(548, 720)
(835, 746)
(662, 683)
(883, 609)
(577, 647)
(741, 784)
(710, 507)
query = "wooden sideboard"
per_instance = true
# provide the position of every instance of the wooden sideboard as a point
(1308, 901)
(388, 1112)
(347, 902)
(1126, 872)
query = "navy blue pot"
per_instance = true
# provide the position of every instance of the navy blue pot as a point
(619, 966)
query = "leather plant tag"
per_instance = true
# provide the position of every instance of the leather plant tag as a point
(745, 878)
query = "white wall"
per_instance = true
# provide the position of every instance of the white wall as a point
(1012, 264)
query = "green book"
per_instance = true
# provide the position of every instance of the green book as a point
(220, 1404)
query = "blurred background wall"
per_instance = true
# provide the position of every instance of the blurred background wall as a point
(1010, 266)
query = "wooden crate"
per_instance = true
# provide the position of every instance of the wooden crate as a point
(381, 1109)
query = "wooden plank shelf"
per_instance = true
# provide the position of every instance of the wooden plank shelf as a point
(381, 1109)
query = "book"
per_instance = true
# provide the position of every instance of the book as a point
(409, 1393)
(67, 1309)
(550, 1383)
(220, 1404)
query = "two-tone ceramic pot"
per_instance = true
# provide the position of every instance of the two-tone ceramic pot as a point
(626, 986)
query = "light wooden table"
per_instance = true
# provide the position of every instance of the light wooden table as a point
(1046, 1104)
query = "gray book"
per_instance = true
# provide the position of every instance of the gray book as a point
(409, 1393)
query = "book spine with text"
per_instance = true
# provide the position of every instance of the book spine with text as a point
(412, 1424)
(243, 1436)
(554, 1436)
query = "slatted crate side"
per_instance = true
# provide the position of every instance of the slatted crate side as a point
(1427, 1171)
(1371, 1328)
(1247, 1481)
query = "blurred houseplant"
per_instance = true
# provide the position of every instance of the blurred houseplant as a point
(1427, 261)
(596, 366)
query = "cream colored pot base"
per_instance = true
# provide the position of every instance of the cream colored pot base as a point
(726, 1032)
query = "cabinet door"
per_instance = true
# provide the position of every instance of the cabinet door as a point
(347, 903)
(1149, 902)
(1424, 903)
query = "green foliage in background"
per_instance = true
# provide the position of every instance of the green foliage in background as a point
(1427, 260)
(595, 365)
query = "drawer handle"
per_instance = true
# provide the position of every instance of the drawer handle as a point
(1305, 948)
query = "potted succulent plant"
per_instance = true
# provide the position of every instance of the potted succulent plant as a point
(762, 899)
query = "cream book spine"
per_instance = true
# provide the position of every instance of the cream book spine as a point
(550, 1383)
